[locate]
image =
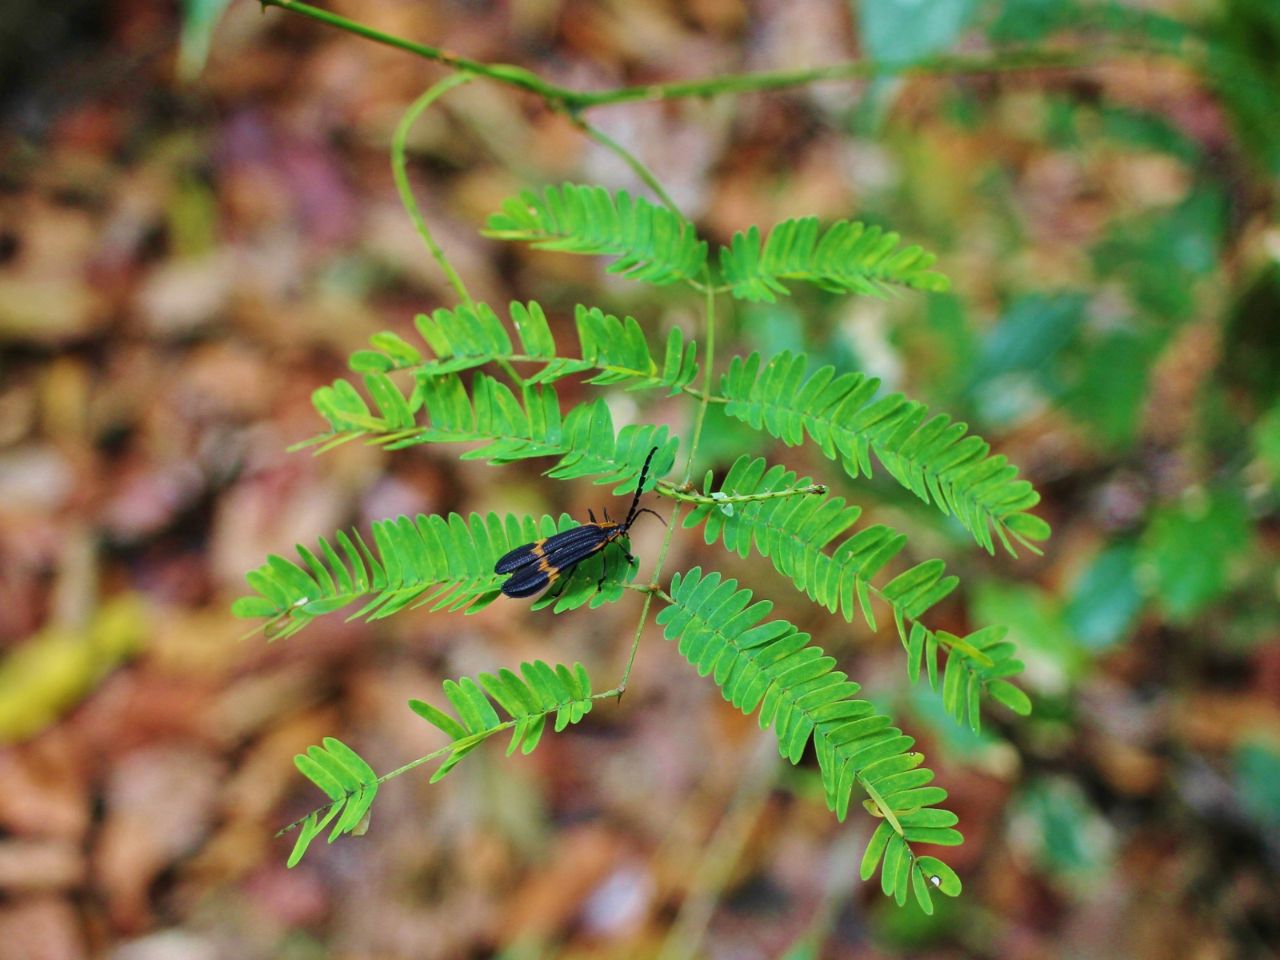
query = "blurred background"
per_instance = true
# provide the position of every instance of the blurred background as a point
(198, 224)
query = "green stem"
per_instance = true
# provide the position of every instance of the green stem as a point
(1004, 61)
(674, 492)
(576, 100)
(510, 371)
(702, 395)
(401, 174)
(502, 72)
(632, 161)
(675, 511)
(621, 688)
(707, 372)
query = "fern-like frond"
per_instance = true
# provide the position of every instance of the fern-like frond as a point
(933, 457)
(771, 666)
(528, 699)
(849, 257)
(348, 780)
(795, 532)
(506, 429)
(798, 535)
(618, 349)
(651, 243)
(612, 351)
(443, 563)
(978, 663)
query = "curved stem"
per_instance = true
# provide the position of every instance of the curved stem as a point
(502, 72)
(632, 161)
(401, 174)
(575, 100)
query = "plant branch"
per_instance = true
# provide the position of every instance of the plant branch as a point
(708, 372)
(442, 752)
(399, 170)
(510, 371)
(632, 161)
(1003, 61)
(674, 492)
(502, 72)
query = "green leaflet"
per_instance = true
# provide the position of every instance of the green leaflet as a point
(795, 532)
(651, 243)
(849, 257)
(933, 457)
(528, 699)
(768, 665)
(509, 428)
(348, 780)
(540, 691)
(613, 351)
(438, 562)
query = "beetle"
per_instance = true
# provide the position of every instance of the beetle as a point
(536, 565)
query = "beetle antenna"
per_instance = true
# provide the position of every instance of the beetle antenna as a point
(635, 501)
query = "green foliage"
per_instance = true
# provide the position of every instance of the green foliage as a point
(1036, 622)
(528, 699)
(431, 561)
(899, 31)
(1105, 600)
(772, 667)
(1186, 551)
(199, 18)
(1055, 824)
(1256, 769)
(614, 351)
(794, 533)
(651, 243)
(491, 415)
(1244, 70)
(848, 258)
(1265, 442)
(655, 246)
(349, 782)
(510, 412)
(935, 458)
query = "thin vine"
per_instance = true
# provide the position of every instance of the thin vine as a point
(574, 101)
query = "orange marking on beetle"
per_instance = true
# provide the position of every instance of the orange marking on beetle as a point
(568, 547)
